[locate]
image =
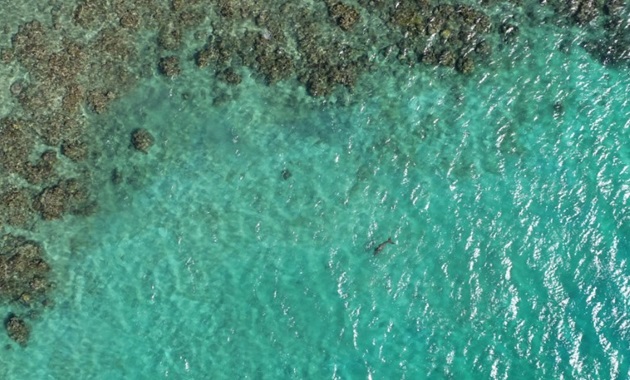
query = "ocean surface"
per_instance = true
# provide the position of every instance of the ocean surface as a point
(506, 194)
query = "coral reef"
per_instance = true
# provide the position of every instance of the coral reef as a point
(80, 58)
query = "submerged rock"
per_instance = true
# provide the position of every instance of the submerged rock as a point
(344, 15)
(67, 196)
(15, 207)
(117, 176)
(142, 140)
(17, 329)
(286, 174)
(75, 150)
(169, 66)
(229, 76)
(23, 271)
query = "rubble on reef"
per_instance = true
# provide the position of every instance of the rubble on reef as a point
(80, 58)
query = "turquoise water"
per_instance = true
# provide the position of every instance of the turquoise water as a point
(506, 194)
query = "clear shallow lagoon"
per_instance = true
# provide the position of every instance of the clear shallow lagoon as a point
(506, 194)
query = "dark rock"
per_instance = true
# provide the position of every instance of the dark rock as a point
(42, 170)
(59, 127)
(16, 207)
(344, 15)
(318, 85)
(614, 7)
(51, 202)
(130, 20)
(99, 99)
(227, 9)
(587, 11)
(429, 57)
(614, 52)
(613, 24)
(558, 109)
(446, 36)
(117, 177)
(15, 145)
(75, 150)
(433, 26)
(229, 76)
(170, 38)
(142, 140)
(205, 56)
(344, 74)
(31, 44)
(286, 174)
(447, 58)
(67, 196)
(191, 18)
(275, 65)
(17, 329)
(509, 32)
(17, 87)
(177, 5)
(6, 56)
(410, 19)
(465, 65)
(169, 66)
(89, 13)
(73, 98)
(472, 18)
(483, 48)
(23, 271)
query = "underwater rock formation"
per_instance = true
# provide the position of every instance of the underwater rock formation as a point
(17, 329)
(66, 196)
(141, 140)
(75, 60)
(24, 274)
(169, 66)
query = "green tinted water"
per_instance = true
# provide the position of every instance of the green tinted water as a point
(506, 194)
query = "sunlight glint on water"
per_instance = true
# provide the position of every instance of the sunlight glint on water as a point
(506, 196)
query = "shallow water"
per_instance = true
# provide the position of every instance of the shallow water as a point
(506, 194)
